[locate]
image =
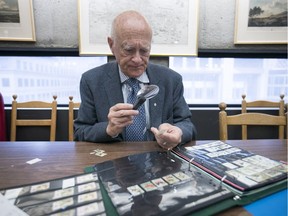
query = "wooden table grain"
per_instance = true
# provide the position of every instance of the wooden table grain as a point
(62, 159)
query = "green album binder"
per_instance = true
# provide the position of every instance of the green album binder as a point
(239, 177)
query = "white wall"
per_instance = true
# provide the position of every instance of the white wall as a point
(216, 24)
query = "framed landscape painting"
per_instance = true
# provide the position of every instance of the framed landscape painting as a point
(16, 20)
(261, 22)
(174, 24)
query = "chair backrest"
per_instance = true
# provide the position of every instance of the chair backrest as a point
(263, 104)
(2, 120)
(50, 122)
(72, 107)
(246, 119)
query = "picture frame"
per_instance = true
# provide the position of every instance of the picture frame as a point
(257, 23)
(174, 24)
(17, 21)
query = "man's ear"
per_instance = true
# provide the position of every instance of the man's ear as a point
(110, 42)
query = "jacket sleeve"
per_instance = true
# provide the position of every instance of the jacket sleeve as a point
(182, 115)
(87, 126)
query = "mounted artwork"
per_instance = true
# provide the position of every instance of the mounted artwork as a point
(17, 20)
(261, 22)
(174, 24)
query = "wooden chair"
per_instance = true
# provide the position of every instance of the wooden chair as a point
(263, 104)
(246, 119)
(2, 120)
(50, 122)
(72, 107)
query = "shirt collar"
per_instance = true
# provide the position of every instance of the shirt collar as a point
(143, 78)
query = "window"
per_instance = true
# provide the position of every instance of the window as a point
(206, 80)
(213, 80)
(5, 82)
(39, 78)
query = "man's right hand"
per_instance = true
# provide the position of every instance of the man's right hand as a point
(120, 116)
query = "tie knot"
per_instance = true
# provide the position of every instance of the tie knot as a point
(133, 83)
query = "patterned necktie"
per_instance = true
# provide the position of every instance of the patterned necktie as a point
(137, 130)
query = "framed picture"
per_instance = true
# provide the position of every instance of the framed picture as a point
(174, 24)
(17, 20)
(261, 22)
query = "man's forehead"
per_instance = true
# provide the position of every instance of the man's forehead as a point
(136, 42)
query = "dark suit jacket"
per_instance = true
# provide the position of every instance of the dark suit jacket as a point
(100, 88)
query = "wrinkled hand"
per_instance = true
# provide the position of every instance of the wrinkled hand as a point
(120, 116)
(167, 136)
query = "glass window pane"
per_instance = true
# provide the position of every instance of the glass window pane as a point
(213, 80)
(206, 80)
(39, 78)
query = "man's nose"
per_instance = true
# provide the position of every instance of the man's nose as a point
(137, 57)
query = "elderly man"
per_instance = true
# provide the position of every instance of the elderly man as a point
(106, 113)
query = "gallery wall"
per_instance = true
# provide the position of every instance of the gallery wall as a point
(56, 26)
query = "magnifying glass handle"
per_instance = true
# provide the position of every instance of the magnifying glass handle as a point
(139, 102)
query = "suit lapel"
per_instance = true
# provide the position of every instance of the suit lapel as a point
(156, 103)
(113, 86)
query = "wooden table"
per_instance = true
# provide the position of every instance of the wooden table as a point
(62, 159)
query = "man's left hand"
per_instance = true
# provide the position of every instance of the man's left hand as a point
(168, 136)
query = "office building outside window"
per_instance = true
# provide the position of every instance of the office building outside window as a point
(39, 78)
(213, 80)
